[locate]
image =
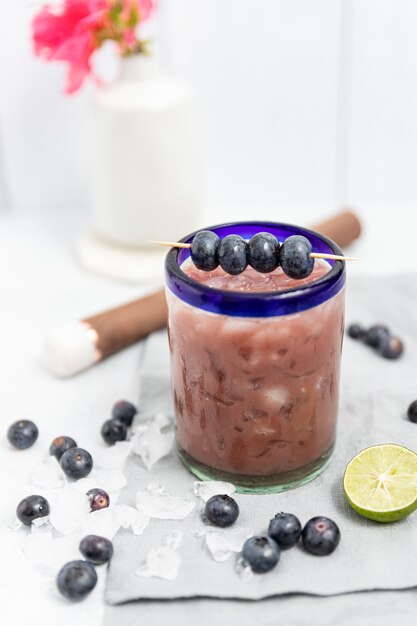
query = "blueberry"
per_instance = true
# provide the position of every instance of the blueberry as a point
(356, 331)
(124, 412)
(96, 549)
(320, 536)
(263, 252)
(31, 508)
(221, 510)
(391, 347)
(98, 498)
(113, 431)
(204, 248)
(233, 254)
(61, 445)
(412, 412)
(261, 552)
(295, 257)
(76, 579)
(285, 529)
(22, 434)
(76, 463)
(375, 335)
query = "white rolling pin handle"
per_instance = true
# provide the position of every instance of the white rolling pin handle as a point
(70, 348)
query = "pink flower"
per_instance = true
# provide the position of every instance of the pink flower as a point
(129, 37)
(146, 8)
(69, 35)
(77, 28)
(141, 9)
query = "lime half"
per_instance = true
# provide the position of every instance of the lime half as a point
(381, 482)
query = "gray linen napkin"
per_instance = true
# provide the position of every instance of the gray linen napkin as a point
(375, 396)
(366, 608)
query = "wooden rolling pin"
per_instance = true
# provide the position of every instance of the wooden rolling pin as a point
(74, 347)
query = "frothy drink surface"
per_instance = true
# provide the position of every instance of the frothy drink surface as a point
(255, 396)
(250, 280)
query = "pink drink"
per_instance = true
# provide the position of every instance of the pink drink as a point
(256, 397)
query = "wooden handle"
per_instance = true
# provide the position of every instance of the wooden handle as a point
(343, 228)
(124, 325)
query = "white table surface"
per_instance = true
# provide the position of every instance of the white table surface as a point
(42, 284)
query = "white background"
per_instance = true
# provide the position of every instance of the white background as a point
(304, 104)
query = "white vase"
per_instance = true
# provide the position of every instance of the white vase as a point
(146, 157)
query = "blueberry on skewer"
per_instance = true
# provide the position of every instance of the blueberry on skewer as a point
(295, 258)
(263, 253)
(233, 254)
(204, 250)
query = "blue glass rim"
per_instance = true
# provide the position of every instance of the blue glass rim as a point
(259, 304)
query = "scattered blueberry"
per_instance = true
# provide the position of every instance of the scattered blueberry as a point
(412, 412)
(295, 257)
(31, 508)
(356, 331)
(285, 529)
(22, 434)
(233, 254)
(76, 579)
(98, 498)
(97, 550)
(261, 552)
(380, 338)
(113, 431)
(221, 510)
(320, 536)
(391, 347)
(76, 463)
(124, 411)
(204, 248)
(263, 252)
(61, 445)
(375, 335)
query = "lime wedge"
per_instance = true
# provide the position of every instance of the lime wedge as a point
(380, 483)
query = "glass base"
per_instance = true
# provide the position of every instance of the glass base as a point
(273, 483)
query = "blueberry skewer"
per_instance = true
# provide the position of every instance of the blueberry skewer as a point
(263, 252)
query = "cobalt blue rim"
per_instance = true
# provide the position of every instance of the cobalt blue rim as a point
(260, 304)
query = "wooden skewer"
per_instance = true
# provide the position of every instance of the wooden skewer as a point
(172, 244)
(335, 257)
(314, 255)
